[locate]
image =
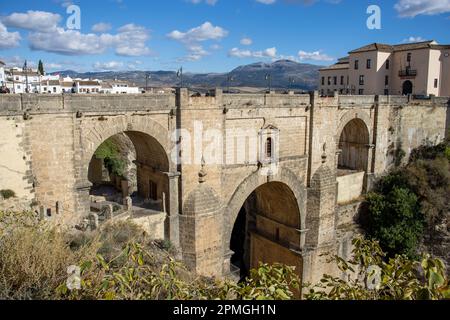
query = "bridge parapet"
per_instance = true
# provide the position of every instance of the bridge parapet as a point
(38, 103)
(266, 100)
(357, 101)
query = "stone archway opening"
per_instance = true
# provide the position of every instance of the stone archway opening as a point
(266, 230)
(353, 160)
(112, 169)
(407, 88)
(353, 146)
(128, 172)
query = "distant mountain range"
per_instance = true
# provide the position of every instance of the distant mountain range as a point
(284, 74)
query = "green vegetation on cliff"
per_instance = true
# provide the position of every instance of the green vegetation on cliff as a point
(410, 203)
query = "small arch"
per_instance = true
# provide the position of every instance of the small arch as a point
(407, 88)
(353, 146)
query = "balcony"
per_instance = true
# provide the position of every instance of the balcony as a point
(407, 73)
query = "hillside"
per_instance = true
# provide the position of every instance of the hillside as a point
(285, 74)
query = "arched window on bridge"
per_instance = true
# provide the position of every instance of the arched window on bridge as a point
(269, 148)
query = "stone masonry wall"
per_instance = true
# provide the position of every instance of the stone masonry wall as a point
(48, 141)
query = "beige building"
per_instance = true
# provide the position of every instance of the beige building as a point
(421, 68)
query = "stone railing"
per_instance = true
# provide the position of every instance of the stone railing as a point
(37, 103)
(45, 103)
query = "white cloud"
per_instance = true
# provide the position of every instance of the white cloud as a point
(412, 8)
(129, 41)
(303, 2)
(267, 53)
(8, 39)
(33, 20)
(193, 37)
(246, 41)
(69, 42)
(201, 33)
(414, 39)
(208, 2)
(266, 1)
(109, 66)
(101, 27)
(46, 35)
(16, 61)
(314, 56)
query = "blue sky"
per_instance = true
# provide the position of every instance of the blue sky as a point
(207, 35)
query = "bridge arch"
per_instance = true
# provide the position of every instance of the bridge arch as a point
(152, 146)
(267, 213)
(354, 136)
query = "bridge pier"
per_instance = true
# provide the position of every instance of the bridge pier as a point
(172, 226)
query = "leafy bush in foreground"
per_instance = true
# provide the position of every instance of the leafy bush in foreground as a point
(136, 278)
(117, 262)
(370, 277)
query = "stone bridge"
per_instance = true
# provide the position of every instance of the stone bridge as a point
(241, 178)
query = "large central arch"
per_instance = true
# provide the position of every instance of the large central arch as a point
(263, 222)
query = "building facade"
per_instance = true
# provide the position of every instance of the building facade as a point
(2, 74)
(421, 68)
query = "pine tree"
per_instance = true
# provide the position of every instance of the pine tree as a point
(41, 68)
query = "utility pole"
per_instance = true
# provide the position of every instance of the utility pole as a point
(180, 75)
(269, 79)
(230, 79)
(14, 81)
(25, 68)
(291, 82)
(147, 77)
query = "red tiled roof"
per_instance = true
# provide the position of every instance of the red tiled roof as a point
(400, 47)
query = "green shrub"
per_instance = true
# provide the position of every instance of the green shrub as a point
(447, 153)
(7, 194)
(395, 221)
(141, 275)
(371, 277)
(411, 201)
(111, 157)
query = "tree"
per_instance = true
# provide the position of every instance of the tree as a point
(372, 277)
(395, 221)
(41, 68)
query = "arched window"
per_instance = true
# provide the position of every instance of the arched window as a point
(269, 148)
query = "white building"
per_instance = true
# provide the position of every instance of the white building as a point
(119, 87)
(18, 79)
(2, 74)
(87, 86)
(51, 87)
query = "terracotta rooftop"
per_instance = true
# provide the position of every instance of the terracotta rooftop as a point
(88, 83)
(67, 84)
(51, 82)
(400, 47)
(337, 66)
(343, 63)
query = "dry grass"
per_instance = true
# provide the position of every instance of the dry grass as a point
(34, 256)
